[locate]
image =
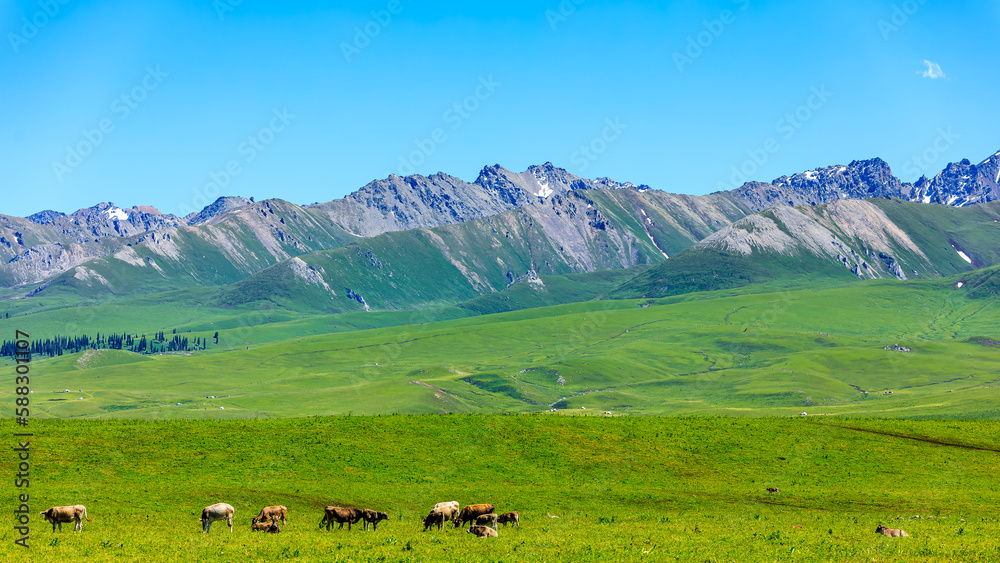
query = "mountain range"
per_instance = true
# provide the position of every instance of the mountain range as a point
(402, 242)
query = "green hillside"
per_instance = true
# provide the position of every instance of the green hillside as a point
(914, 241)
(819, 351)
(587, 488)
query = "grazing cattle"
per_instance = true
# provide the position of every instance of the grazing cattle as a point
(447, 503)
(268, 512)
(441, 513)
(773, 490)
(450, 509)
(471, 512)
(336, 514)
(215, 512)
(482, 531)
(435, 517)
(512, 517)
(487, 520)
(59, 514)
(373, 517)
(891, 532)
(269, 526)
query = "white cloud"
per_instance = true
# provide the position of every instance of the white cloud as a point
(933, 70)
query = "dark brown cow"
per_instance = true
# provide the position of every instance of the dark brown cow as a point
(435, 517)
(268, 511)
(512, 517)
(483, 531)
(487, 520)
(891, 532)
(471, 512)
(270, 526)
(373, 517)
(59, 514)
(773, 490)
(336, 514)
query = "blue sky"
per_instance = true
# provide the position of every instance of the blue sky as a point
(171, 104)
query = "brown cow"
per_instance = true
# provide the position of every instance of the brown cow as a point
(268, 511)
(471, 512)
(435, 517)
(487, 520)
(773, 490)
(373, 517)
(513, 517)
(215, 512)
(483, 531)
(891, 532)
(336, 514)
(269, 526)
(59, 514)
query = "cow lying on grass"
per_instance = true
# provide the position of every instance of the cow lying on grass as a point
(271, 526)
(891, 532)
(482, 531)
(268, 512)
(337, 515)
(59, 514)
(512, 517)
(471, 512)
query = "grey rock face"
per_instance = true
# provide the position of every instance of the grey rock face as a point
(219, 207)
(959, 184)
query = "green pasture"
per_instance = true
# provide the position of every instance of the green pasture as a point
(766, 354)
(622, 488)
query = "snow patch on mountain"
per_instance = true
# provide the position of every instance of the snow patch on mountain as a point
(116, 213)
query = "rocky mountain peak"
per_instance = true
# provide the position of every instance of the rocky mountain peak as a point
(219, 207)
(961, 183)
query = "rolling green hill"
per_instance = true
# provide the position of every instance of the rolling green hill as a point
(778, 353)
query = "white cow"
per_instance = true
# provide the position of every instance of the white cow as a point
(218, 511)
